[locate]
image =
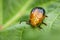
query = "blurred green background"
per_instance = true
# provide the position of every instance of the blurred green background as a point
(14, 11)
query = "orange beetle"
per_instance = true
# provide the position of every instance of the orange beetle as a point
(36, 17)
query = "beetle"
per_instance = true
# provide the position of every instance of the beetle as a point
(37, 16)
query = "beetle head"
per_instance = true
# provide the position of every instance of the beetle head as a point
(39, 9)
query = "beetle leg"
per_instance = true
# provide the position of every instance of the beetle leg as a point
(39, 27)
(46, 16)
(27, 22)
(44, 23)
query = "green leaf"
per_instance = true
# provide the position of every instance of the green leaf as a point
(17, 15)
(15, 11)
(1, 12)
